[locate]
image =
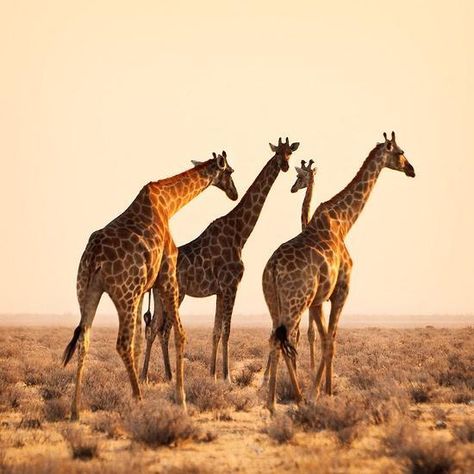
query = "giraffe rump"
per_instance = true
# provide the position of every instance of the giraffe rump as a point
(281, 335)
(71, 347)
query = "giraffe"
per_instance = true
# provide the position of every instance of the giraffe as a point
(304, 179)
(212, 264)
(315, 266)
(123, 258)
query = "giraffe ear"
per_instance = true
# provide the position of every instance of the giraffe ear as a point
(221, 162)
(273, 147)
(196, 163)
(299, 171)
(294, 146)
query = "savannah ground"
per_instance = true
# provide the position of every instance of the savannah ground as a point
(403, 402)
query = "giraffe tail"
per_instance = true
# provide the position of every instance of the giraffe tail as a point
(281, 335)
(71, 347)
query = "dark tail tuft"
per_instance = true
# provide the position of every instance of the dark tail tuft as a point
(281, 334)
(71, 347)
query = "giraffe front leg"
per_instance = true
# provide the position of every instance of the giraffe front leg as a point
(216, 333)
(228, 306)
(137, 336)
(311, 341)
(317, 316)
(151, 330)
(169, 296)
(164, 334)
(337, 302)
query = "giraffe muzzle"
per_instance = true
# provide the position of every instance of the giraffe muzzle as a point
(409, 170)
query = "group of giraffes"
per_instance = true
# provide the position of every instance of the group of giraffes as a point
(135, 253)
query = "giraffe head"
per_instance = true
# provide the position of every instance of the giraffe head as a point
(394, 157)
(222, 175)
(283, 151)
(304, 175)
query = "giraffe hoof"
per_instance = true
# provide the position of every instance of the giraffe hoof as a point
(74, 416)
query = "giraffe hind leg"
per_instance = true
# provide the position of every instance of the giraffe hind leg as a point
(81, 337)
(126, 339)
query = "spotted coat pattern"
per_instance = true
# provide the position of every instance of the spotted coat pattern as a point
(315, 267)
(212, 264)
(123, 258)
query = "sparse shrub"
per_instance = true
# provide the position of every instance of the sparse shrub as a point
(108, 423)
(284, 388)
(242, 400)
(281, 429)
(82, 447)
(384, 404)
(464, 431)
(105, 390)
(244, 378)
(157, 423)
(56, 409)
(363, 378)
(207, 394)
(341, 415)
(10, 396)
(420, 454)
(32, 411)
(420, 393)
(463, 395)
(187, 469)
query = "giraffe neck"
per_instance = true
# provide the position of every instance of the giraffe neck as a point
(307, 203)
(244, 216)
(171, 194)
(345, 207)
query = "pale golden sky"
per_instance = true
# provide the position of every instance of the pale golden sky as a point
(97, 98)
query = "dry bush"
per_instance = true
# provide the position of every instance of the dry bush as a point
(284, 388)
(244, 378)
(207, 394)
(281, 429)
(384, 403)
(242, 399)
(10, 396)
(464, 431)
(55, 465)
(32, 410)
(82, 447)
(56, 409)
(420, 393)
(341, 415)
(186, 469)
(157, 423)
(105, 389)
(420, 454)
(108, 423)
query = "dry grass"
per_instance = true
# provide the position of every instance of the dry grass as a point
(403, 403)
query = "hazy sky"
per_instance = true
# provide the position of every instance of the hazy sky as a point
(97, 98)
